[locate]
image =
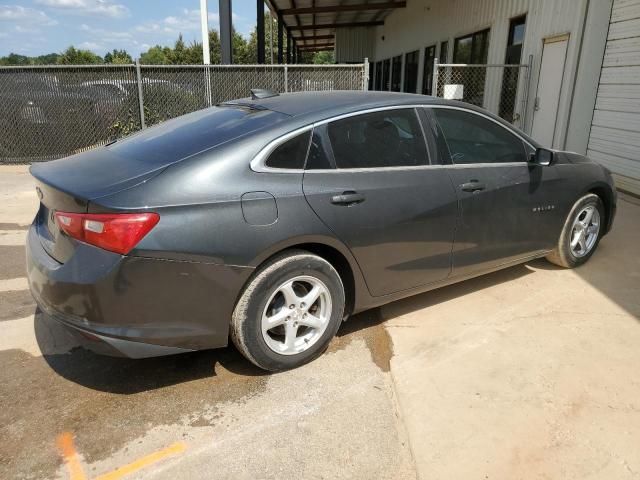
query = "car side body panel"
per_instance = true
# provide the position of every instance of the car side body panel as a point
(220, 220)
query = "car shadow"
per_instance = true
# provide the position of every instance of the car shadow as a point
(456, 290)
(65, 356)
(614, 268)
(128, 376)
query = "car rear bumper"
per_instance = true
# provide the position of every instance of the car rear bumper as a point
(132, 306)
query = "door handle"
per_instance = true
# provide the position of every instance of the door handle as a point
(348, 198)
(472, 186)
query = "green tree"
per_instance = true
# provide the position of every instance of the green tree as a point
(156, 55)
(270, 29)
(119, 57)
(181, 54)
(242, 53)
(323, 57)
(73, 56)
(15, 59)
(48, 59)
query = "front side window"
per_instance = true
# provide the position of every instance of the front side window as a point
(472, 138)
(290, 154)
(390, 138)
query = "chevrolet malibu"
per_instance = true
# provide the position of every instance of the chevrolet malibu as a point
(269, 220)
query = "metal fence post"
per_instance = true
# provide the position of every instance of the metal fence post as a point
(525, 97)
(434, 82)
(365, 76)
(140, 100)
(207, 88)
(286, 78)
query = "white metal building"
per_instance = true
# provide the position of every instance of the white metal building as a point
(615, 131)
(581, 93)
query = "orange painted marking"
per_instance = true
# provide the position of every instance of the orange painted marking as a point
(143, 462)
(70, 456)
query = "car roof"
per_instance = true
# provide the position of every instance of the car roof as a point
(309, 103)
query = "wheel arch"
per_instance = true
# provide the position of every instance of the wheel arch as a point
(334, 252)
(605, 193)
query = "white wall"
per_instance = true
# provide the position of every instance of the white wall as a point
(354, 44)
(615, 133)
(427, 22)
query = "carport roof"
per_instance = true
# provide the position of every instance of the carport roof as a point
(313, 23)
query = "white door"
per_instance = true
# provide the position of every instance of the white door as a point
(547, 99)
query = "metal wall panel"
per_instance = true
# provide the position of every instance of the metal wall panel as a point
(615, 133)
(353, 45)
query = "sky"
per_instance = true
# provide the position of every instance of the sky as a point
(36, 27)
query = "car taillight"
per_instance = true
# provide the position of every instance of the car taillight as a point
(116, 232)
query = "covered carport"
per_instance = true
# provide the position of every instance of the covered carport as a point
(314, 25)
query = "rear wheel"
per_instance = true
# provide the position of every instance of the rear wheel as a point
(289, 311)
(581, 233)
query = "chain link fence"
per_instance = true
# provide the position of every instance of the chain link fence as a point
(501, 89)
(48, 112)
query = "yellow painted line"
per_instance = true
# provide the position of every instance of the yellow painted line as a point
(143, 462)
(70, 456)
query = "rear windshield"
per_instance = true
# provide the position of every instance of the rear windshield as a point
(179, 138)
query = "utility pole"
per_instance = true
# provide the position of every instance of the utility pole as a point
(204, 22)
(225, 31)
(260, 29)
(271, 36)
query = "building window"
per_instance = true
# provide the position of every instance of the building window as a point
(427, 76)
(511, 75)
(372, 67)
(396, 73)
(386, 65)
(378, 82)
(411, 72)
(470, 49)
(444, 52)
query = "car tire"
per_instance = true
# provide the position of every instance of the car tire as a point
(569, 256)
(274, 296)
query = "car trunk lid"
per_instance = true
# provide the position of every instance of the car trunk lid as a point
(70, 184)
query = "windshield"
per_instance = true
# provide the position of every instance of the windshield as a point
(184, 136)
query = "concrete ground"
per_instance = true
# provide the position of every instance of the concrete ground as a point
(525, 373)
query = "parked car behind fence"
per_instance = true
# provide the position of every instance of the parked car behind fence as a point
(48, 112)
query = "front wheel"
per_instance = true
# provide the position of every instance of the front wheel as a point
(581, 233)
(289, 311)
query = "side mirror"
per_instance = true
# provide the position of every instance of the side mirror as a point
(543, 156)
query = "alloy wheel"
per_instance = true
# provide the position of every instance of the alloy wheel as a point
(584, 231)
(296, 315)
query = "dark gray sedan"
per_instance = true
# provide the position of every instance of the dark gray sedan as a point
(272, 219)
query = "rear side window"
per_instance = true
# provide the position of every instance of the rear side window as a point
(475, 139)
(319, 151)
(290, 154)
(389, 138)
